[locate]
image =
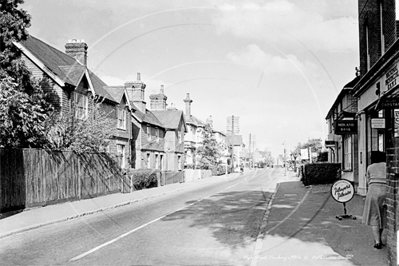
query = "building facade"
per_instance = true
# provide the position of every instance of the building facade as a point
(378, 106)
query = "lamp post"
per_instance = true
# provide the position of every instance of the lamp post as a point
(285, 160)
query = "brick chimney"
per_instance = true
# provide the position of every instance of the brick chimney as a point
(158, 101)
(188, 102)
(135, 91)
(77, 49)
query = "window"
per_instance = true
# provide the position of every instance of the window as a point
(156, 161)
(367, 48)
(161, 162)
(120, 150)
(179, 162)
(121, 113)
(347, 152)
(179, 137)
(148, 160)
(81, 103)
(382, 29)
(157, 134)
(148, 133)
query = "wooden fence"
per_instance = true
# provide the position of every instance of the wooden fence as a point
(35, 177)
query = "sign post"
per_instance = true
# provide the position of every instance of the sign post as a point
(342, 191)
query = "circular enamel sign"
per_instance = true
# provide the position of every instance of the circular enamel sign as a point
(342, 190)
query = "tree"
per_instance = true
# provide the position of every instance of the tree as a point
(81, 135)
(210, 151)
(24, 110)
(315, 146)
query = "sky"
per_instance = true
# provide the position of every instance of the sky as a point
(276, 64)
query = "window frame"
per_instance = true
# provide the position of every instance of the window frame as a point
(347, 158)
(81, 105)
(121, 117)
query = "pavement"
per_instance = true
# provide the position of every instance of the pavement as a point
(302, 229)
(300, 226)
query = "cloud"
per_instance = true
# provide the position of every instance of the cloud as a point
(283, 22)
(253, 56)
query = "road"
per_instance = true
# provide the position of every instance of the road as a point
(212, 223)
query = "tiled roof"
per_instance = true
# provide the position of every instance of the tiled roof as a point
(67, 68)
(116, 92)
(193, 120)
(148, 117)
(169, 118)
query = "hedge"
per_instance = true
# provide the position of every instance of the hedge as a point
(320, 173)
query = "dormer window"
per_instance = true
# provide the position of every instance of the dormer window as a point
(157, 134)
(81, 103)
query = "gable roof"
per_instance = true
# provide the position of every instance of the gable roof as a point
(170, 118)
(345, 90)
(61, 65)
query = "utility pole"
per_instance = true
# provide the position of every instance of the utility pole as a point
(232, 144)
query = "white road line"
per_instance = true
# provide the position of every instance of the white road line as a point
(144, 225)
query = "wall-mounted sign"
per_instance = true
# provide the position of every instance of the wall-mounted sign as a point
(388, 103)
(378, 123)
(329, 143)
(343, 127)
(391, 77)
(342, 190)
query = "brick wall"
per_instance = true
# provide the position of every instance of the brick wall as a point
(369, 16)
(392, 150)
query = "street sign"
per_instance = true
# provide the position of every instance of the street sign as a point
(378, 123)
(342, 191)
(343, 127)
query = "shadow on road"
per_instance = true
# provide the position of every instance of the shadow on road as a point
(233, 217)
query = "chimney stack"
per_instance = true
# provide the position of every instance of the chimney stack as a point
(188, 102)
(158, 101)
(135, 92)
(77, 49)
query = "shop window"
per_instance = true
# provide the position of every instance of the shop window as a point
(347, 162)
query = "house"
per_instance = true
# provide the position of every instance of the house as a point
(175, 129)
(148, 133)
(377, 92)
(236, 147)
(194, 136)
(74, 88)
(342, 144)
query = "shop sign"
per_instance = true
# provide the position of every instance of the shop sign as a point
(378, 123)
(342, 190)
(388, 103)
(343, 127)
(391, 77)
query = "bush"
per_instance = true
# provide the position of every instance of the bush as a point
(320, 173)
(221, 170)
(144, 178)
